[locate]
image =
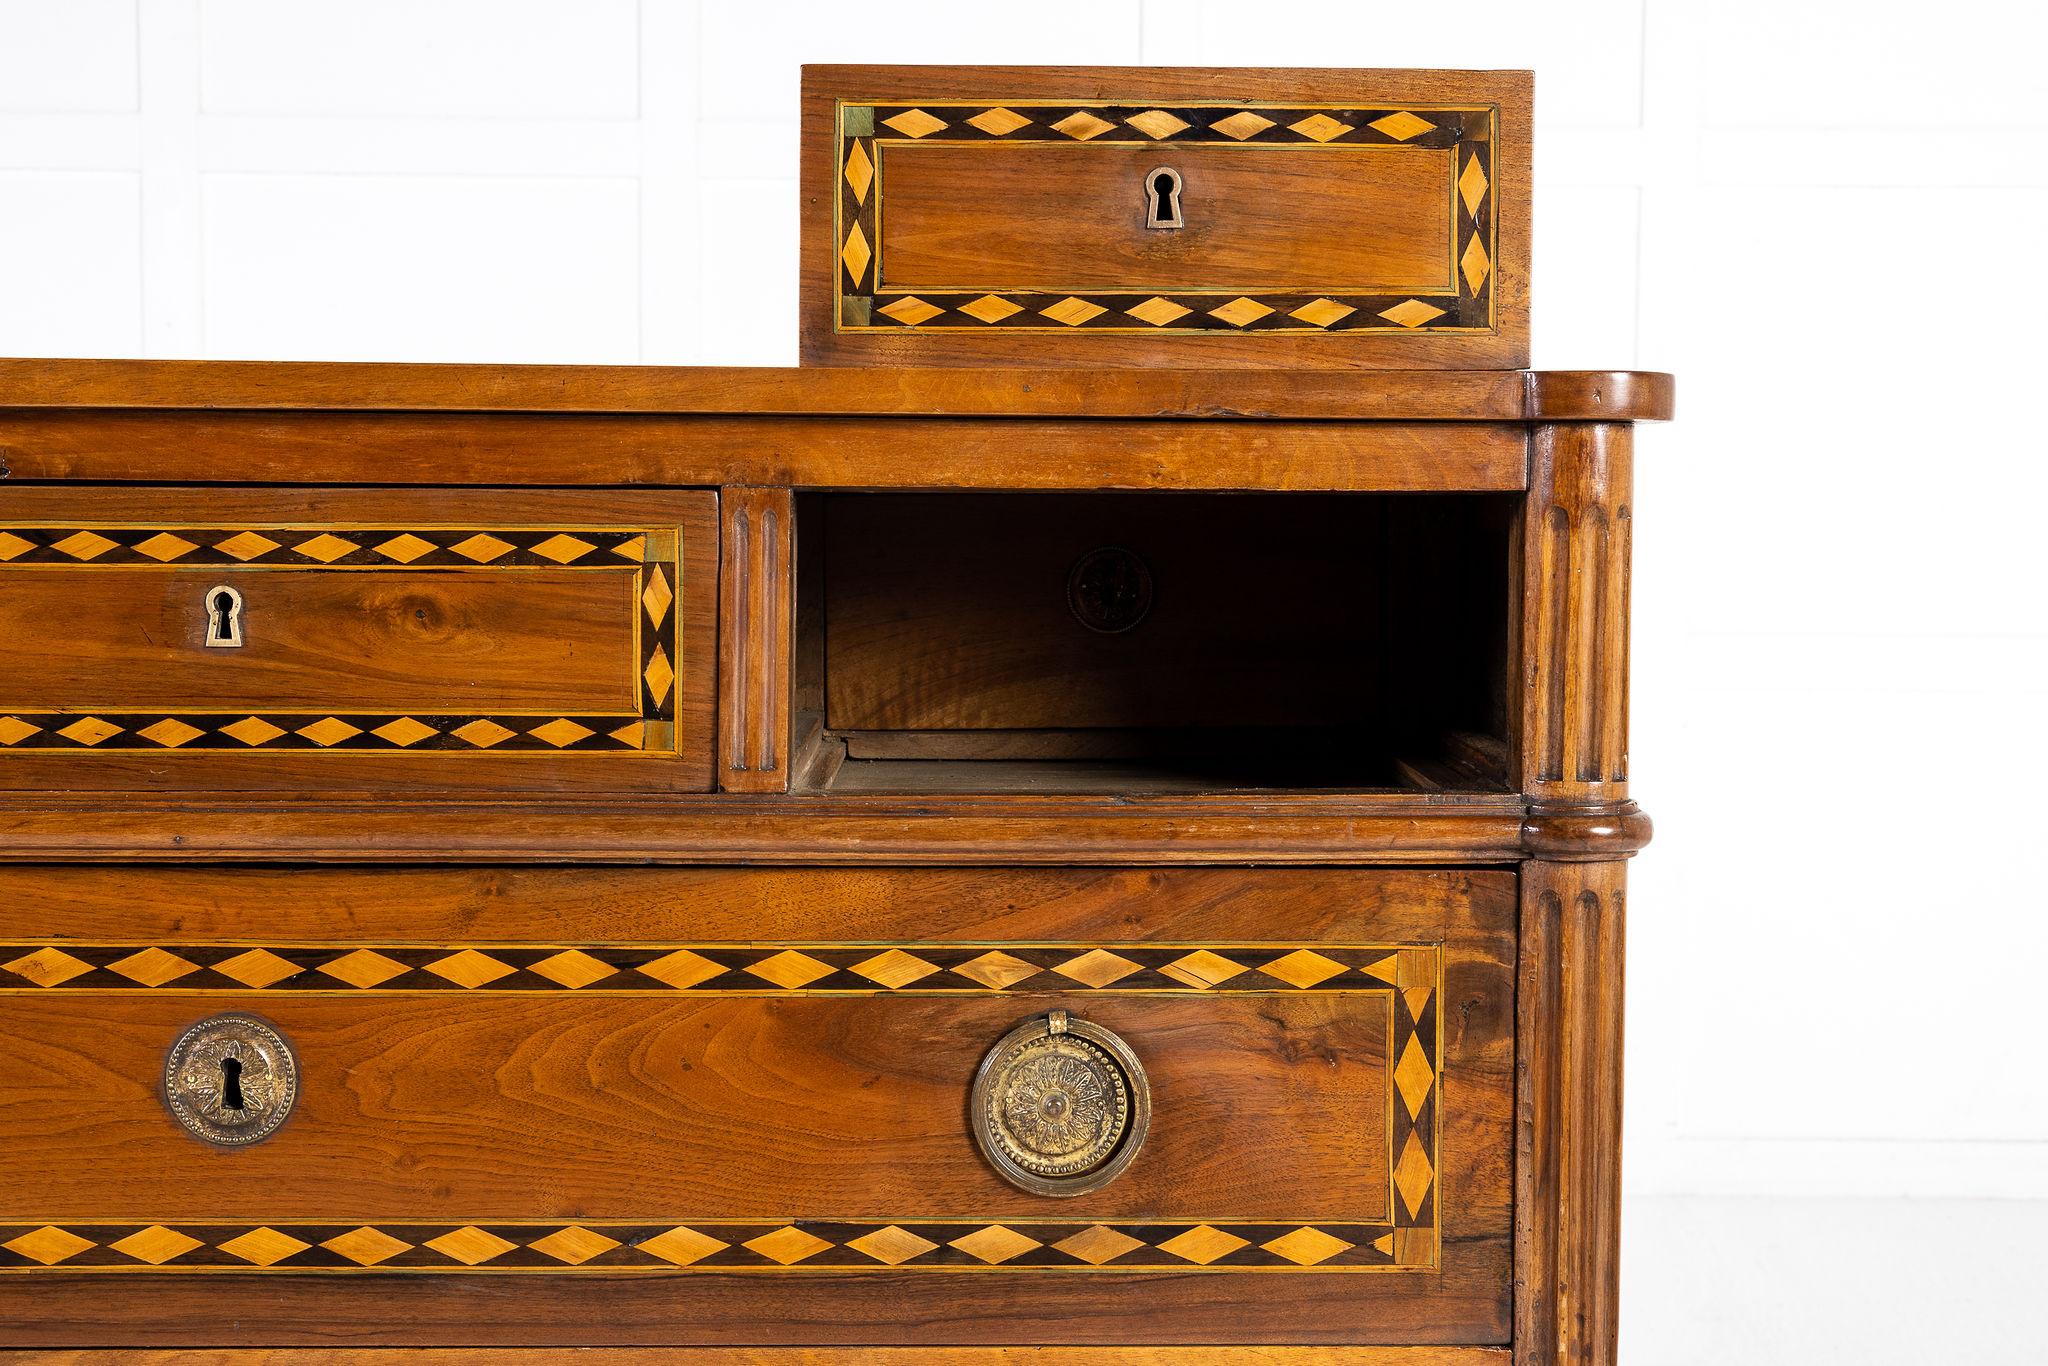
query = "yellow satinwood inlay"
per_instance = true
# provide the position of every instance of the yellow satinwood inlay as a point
(860, 171)
(1307, 1246)
(997, 970)
(1475, 263)
(1203, 1244)
(634, 549)
(999, 121)
(915, 123)
(483, 733)
(470, 969)
(252, 730)
(1157, 311)
(366, 1246)
(12, 545)
(329, 730)
(574, 1244)
(326, 548)
(1417, 968)
(659, 675)
(856, 254)
(48, 967)
(170, 733)
(572, 968)
(1320, 127)
(264, 1246)
(1097, 1244)
(165, 547)
(470, 1245)
(656, 597)
(632, 733)
(153, 967)
(1384, 1243)
(482, 547)
(1472, 185)
(1241, 125)
(1082, 125)
(1240, 311)
(895, 969)
(1402, 125)
(1387, 969)
(258, 968)
(562, 731)
(682, 1246)
(404, 549)
(1073, 312)
(563, 548)
(246, 546)
(1303, 968)
(892, 1245)
(13, 730)
(995, 1244)
(911, 310)
(85, 545)
(155, 1244)
(1157, 123)
(48, 1245)
(1417, 998)
(790, 969)
(1203, 969)
(1413, 1076)
(1414, 1246)
(404, 731)
(90, 730)
(681, 969)
(1097, 968)
(1322, 312)
(989, 309)
(1412, 313)
(1413, 1173)
(787, 1245)
(362, 969)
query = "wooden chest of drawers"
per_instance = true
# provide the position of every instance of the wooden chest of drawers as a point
(893, 864)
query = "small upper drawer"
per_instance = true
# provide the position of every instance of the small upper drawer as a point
(317, 638)
(1091, 216)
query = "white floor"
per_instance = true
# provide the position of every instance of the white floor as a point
(1713, 1281)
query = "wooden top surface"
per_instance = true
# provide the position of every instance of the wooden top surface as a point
(1402, 395)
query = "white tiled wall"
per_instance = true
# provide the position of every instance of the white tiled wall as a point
(1824, 215)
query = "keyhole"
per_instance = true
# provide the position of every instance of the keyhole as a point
(231, 1084)
(223, 616)
(1162, 198)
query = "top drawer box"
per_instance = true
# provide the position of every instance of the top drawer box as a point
(356, 639)
(1113, 217)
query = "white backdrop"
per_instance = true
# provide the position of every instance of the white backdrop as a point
(1824, 216)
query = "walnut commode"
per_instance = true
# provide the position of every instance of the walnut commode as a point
(1091, 816)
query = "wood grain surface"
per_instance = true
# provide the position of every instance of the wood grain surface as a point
(777, 1356)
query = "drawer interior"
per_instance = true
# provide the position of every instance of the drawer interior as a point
(1152, 642)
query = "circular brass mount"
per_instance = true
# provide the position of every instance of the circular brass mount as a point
(231, 1080)
(1060, 1106)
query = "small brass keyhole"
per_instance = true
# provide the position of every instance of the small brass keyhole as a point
(1162, 198)
(223, 617)
(231, 1084)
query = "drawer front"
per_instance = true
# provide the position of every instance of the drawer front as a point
(714, 1077)
(351, 638)
(1307, 218)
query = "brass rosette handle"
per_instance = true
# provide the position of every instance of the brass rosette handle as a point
(1060, 1106)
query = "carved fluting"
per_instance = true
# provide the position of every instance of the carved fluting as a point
(1576, 537)
(1568, 1207)
(754, 674)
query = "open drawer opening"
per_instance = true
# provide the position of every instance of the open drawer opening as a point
(1147, 643)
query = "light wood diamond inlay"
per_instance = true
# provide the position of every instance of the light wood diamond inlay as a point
(1472, 185)
(246, 545)
(85, 545)
(683, 1246)
(483, 733)
(1203, 969)
(1240, 311)
(1413, 1076)
(13, 546)
(895, 969)
(574, 1244)
(1082, 125)
(1098, 1244)
(48, 967)
(470, 969)
(856, 254)
(330, 730)
(915, 123)
(1307, 1246)
(404, 731)
(997, 970)
(470, 1245)
(563, 731)
(860, 171)
(790, 969)
(1203, 1244)
(404, 549)
(326, 548)
(563, 548)
(1411, 313)
(48, 1245)
(1402, 125)
(1320, 127)
(164, 547)
(989, 308)
(482, 547)
(264, 1246)
(1303, 968)
(572, 968)
(252, 730)
(155, 1244)
(656, 597)
(995, 1244)
(13, 730)
(1157, 123)
(90, 730)
(1073, 312)
(1241, 125)
(366, 1246)
(1157, 311)
(1413, 1174)
(787, 1245)
(257, 968)
(152, 967)
(910, 310)
(893, 1245)
(363, 969)
(1097, 968)
(1322, 312)
(998, 122)
(170, 733)
(681, 969)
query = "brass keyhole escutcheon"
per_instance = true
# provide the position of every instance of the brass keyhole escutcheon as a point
(223, 617)
(231, 1080)
(1162, 198)
(1109, 589)
(1060, 1106)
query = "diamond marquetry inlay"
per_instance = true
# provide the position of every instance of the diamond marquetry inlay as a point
(1402, 125)
(1307, 1246)
(856, 254)
(989, 308)
(362, 969)
(152, 967)
(404, 549)
(893, 1245)
(790, 970)
(164, 547)
(1413, 1174)
(13, 730)
(470, 969)
(1082, 125)
(48, 967)
(1204, 1244)
(1097, 1244)
(404, 731)
(330, 730)
(995, 1244)
(1320, 127)
(1322, 312)
(264, 1246)
(895, 969)
(483, 733)
(998, 122)
(1241, 125)
(563, 731)
(366, 1246)
(1157, 123)
(470, 1245)
(573, 968)
(1157, 311)
(48, 1245)
(86, 545)
(860, 171)
(683, 1246)
(915, 123)
(1073, 312)
(681, 969)
(1203, 969)
(170, 733)
(257, 968)
(1240, 311)
(155, 1244)
(1097, 968)
(574, 1244)
(1303, 968)
(482, 547)
(1411, 313)
(787, 1245)
(996, 970)
(246, 546)
(910, 310)
(563, 549)
(326, 548)
(90, 730)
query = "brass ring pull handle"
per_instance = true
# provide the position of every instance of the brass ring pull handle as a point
(231, 1080)
(1060, 1106)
